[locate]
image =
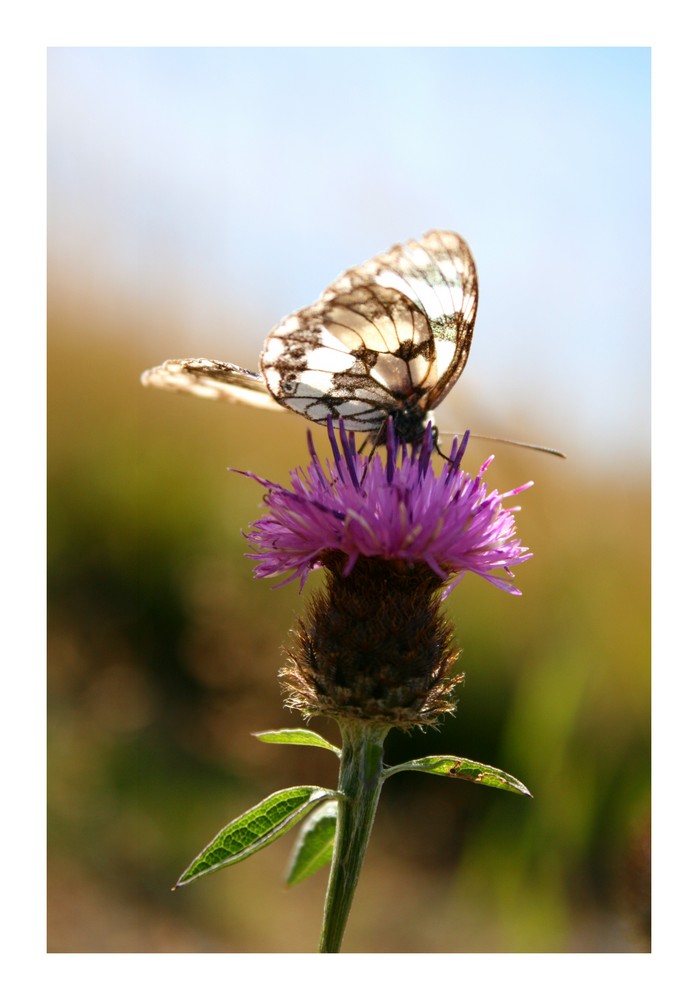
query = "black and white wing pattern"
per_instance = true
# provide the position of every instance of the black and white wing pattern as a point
(388, 338)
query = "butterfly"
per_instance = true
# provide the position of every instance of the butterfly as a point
(389, 338)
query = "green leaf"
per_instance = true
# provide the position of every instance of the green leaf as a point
(315, 843)
(459, 767)
(297, 737)
(256, 828)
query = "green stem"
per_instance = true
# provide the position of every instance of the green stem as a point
(360, 780)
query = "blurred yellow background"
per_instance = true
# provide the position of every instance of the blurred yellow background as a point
(163, 650)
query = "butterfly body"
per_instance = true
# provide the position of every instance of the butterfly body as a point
(389, 338)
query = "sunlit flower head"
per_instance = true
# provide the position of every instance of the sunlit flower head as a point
(396, 508)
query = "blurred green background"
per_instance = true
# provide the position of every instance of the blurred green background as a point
(163, 650)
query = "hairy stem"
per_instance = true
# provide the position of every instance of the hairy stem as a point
(360, 780)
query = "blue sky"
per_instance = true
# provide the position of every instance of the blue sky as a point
(235, 184)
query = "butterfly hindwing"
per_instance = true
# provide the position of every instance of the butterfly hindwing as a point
(357, 355)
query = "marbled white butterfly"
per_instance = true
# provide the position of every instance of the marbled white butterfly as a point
(388, 338)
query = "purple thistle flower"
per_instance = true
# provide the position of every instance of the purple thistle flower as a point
(397, 509)
(390, 532)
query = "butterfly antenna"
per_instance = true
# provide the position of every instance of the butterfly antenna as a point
(516, 444)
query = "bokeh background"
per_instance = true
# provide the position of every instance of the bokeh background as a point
(195, 197)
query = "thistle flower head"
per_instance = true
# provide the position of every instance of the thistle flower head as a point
(398, 509)
(391, 533)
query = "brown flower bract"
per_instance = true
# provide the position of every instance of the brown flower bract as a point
(375, 645)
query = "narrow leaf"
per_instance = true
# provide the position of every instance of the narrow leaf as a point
(297, 737)
(256, 828)
(459, 767)
(315, 843)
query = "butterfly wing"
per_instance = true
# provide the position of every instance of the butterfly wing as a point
(358, 354)
(438, 274)
(389, 337)
(211, 380)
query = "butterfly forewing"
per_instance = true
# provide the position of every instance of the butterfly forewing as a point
(211, 380)
(388, 338)
(438, 274)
